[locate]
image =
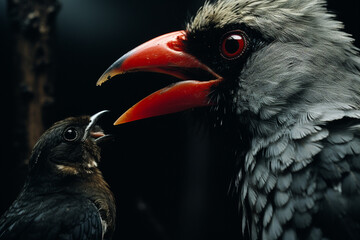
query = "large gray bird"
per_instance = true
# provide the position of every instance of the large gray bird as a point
(286, 79)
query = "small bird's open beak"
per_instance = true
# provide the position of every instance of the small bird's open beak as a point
(165, 54)
(95, 131)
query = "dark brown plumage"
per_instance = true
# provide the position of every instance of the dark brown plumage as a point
(65, 195)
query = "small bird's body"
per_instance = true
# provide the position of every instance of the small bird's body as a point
(286, 80)
(65, 195)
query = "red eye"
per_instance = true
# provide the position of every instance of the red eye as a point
(233, 44)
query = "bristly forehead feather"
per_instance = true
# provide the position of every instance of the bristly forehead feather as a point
(281, 20)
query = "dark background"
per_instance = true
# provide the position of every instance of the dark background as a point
(168, 174)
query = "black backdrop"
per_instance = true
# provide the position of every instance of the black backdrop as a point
(167, 173)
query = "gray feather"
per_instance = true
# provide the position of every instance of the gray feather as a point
(260, 203)
(300, 182)
(260, 175)
(300, 165)
(274, 230)
(302, 220)
(332, 114)
(302, 130)
(354, 161)
(277, 147)
(303, 204)
(284, 182)
(284, 214)
(311, 188)
(268, 112)
(281, 198)
(315, 234)
(243, 222)
(268, 215)
(318, 136)
(306, 150)
(270, 183)
(340, 137)
(289, 235)
(252, 196)
(244, 190)
(351, 183)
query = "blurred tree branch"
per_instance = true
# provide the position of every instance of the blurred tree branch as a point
(32, 24)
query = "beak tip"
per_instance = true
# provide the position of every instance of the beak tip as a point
(117, 122)
(103, 79)
(107, 75)
(122, 119)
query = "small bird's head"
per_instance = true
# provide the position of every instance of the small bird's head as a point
(258, 57)
(69, 147)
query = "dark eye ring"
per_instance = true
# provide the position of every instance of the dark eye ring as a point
(233, 44)
(70, 134)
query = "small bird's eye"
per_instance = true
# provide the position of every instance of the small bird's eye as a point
(233, 44)
(70, 134)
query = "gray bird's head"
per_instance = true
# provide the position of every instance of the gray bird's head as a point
(268, 60)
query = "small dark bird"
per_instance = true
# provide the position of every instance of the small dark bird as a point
(284, 77)
(65, 195)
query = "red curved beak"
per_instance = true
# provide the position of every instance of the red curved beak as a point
(165, 54)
